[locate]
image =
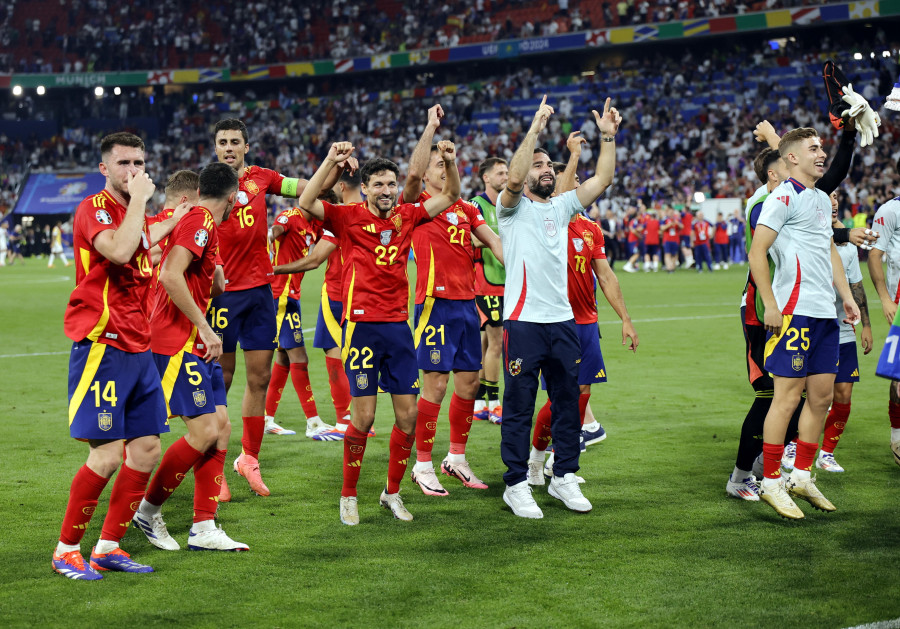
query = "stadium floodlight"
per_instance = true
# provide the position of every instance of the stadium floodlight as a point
(857, 55)
(98, 91)
(871, 55)
(885, 53)
(41, 90)
(117, 90)
(17, 90)
(699, 197)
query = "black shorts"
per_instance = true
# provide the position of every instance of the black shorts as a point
(490, 310)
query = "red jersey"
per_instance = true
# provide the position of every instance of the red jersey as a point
(170, 329)
(721, 237)
(293, 244)
(635, 229)
(445, 257)
(154, 282)
(651, 231)
(334, 268)
(687, 219)
(702, 232)
(585, 244)
(375, 253)
(671, 229)
(244, 236)
(108, 304)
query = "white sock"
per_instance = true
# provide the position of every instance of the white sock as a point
(800, 475)
(66, 548)
(480, 405)
(456, 458)
(537, 455)
(594, 425)
(493, 404)
(148, 508)
(738, 474)
(423, 466)
(313, 421)
(204, 526)
(270, 419)
(105, 546)
(895, 434)
(768, 483)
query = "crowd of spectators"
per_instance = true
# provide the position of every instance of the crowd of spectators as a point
(664, 155)
(107, 35)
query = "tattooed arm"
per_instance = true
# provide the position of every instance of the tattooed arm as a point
(859, 296)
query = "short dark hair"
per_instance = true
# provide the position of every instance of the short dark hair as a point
(377, 165)
(539, 149)
(764, 161)
(232, 124)
(120, 138)
(351, 181)
(217, 181)
(182, 181)
(558, 167)
(330, 196)
(485, 166)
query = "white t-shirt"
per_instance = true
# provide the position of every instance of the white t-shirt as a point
(887, 224)
(850, 260)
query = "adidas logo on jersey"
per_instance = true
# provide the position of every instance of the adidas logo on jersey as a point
(784, 200)
(370, 228)
(880, 221)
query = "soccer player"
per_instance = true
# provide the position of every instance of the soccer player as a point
(703, 231)
(887, 249)
(4, 243)
(180, 191)
(377, 346)
(539, 328)
(56, 246)
(671, 228)
(245, 313)
(489, 279)
(185, 349)
(651, 241)
(116, 402)
(687, 253)
(292, 235)
(802, 348)
(720, 243)
(635, 240)
(447, 326)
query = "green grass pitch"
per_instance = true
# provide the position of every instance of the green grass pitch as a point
(663, 547)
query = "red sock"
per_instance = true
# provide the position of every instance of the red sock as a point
(894, 414)
(124, 500)
(178, 459)
(209, 470)
(772, 453)
(461, 412)
(354, 449)
(276, 388)
(834, 426)
(254, 428)
(340, 388)
(426, 428)
(300, 378)
(806, 454)
(541, 438)
(399, 449)
(583, 400)
(83, 496)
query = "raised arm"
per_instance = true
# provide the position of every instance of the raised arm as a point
(450, 192)
(765, 132)
(521, 161)
(566, 180)
(118, 245)
(840, 165)
(309, 200)
(418, 163)
(609, 284)
(160, 230)
(317, 255)
(486, 237)
(590, 190)
(171, 276)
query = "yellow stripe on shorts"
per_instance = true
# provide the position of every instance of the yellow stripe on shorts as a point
(772, 342)
(170, 377)
(332, 325)
(282, 307)
(345, 349)
(95, 356)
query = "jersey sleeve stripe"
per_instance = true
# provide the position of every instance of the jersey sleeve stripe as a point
(95, 356)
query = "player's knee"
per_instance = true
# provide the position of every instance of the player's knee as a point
(144, 456)
(206, 435)
(258, 379)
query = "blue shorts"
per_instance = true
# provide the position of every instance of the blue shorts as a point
(379, 354)
(448, 335)
(806, 345)
(246, 317)
(591, 369)
(670, 248)
(114, 394)
(686, 241)
(848, 367)
(652, 250)
(631, 248)
(328, 324)
(288, 323)
(190, 385)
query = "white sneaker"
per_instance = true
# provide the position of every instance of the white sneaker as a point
(745, 489)
(724, 266)
(274, 429)
(895, 448)
(395, 504)
(825, 461)
(716, 266)
(214, 539)
(155, 529)
(535, 472)
(318, 430)
(807, 490)
(566, 488)
(628, 268)
(775, 494)
(520, 500)
(548, 465)
(789, 456)
(349, 511)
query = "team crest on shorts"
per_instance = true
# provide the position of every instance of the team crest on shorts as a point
(201, 237)
(588, 238)
(103, 217)
(104, 421)
(579, 244)
(251, 186)
(550, 227)
(435, 356)
(298, 336)
(515, 367)
(797, 362)
(199, 399)
(362, 381)
(242, 198)
(452, 218)
(386, 236)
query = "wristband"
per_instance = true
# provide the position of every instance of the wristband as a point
(611, 138)
(511, 191)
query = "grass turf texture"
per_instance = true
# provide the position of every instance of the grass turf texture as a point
(663, 547)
